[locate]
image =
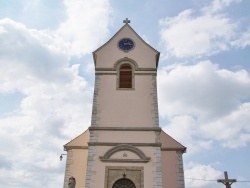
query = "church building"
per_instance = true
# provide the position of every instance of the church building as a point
(124, 147)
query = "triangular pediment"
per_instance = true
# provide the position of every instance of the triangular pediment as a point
(109, 53)
(127, 29)
(168, 143)
(80, 141)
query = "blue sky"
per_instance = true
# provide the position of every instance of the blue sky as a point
(47, 77)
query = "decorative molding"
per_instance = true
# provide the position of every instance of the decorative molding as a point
(132, 144)
(125, 147)
(105, 73)
(158, 129)
(132, 89)
(147, 69)
(127, 60)
(114, 69)
(66, 148)
(125, 160)
(104, 69)
(135, 73)
(146, 73)
(183, 150)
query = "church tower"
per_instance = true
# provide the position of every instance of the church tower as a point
(124, 146)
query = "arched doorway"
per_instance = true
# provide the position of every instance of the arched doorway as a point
(124, 183)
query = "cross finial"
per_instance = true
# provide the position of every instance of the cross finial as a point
(226, 181)
(126, 21)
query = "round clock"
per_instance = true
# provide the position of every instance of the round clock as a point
(126, 44)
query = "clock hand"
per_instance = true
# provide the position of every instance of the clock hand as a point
(128, 43)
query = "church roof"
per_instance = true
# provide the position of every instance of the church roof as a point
(80, 142)
(170, 144)
(126, 25)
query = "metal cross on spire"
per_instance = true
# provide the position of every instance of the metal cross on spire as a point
(227, 182)
(126, 21)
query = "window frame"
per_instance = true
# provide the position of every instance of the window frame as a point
(125, 76)
(118, 66)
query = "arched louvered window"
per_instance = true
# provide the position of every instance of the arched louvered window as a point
(124, 183)
(125, 76)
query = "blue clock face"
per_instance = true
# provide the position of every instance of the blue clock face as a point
(126, 44)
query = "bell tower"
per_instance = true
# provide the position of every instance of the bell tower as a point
(124, 146)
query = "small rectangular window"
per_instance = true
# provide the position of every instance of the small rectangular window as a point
(125, 79)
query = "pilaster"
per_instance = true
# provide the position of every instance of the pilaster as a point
(154, 103)
(90, 179)
(157, 170)
(68, 172)
(95, 111)
(180, 171)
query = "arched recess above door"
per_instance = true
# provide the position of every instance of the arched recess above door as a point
(142, 158)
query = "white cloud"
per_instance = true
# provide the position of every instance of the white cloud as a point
(201, 90)
(86, 25)
(26, 51)
(209, 103)
(232, 130)
(218, 5)
(243, 41)
(204, 32)
(188, 35)
(55, 108)
(197, 174)
(56, 104)
(186, 130)
(33, 13)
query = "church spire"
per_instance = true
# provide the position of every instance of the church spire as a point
(126, 21)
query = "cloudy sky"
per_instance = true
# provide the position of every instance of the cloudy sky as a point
(47, 77)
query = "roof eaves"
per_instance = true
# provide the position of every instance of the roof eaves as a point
(65, 146)
(183, 148)
(127, 25)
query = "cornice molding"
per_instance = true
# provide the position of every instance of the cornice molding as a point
(157, 129)
(183, 150)
(118, 143)
(136, 73)
(66, 148)
(113, 69)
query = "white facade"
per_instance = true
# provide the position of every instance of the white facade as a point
(124, 142)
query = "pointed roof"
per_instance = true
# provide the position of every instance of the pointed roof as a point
(170, 144)
(126, 25)
(80, 142)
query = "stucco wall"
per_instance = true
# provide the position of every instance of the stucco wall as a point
(172, 169)
(151, 168)
(76, 166)
(126, 108)
(126, 136)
